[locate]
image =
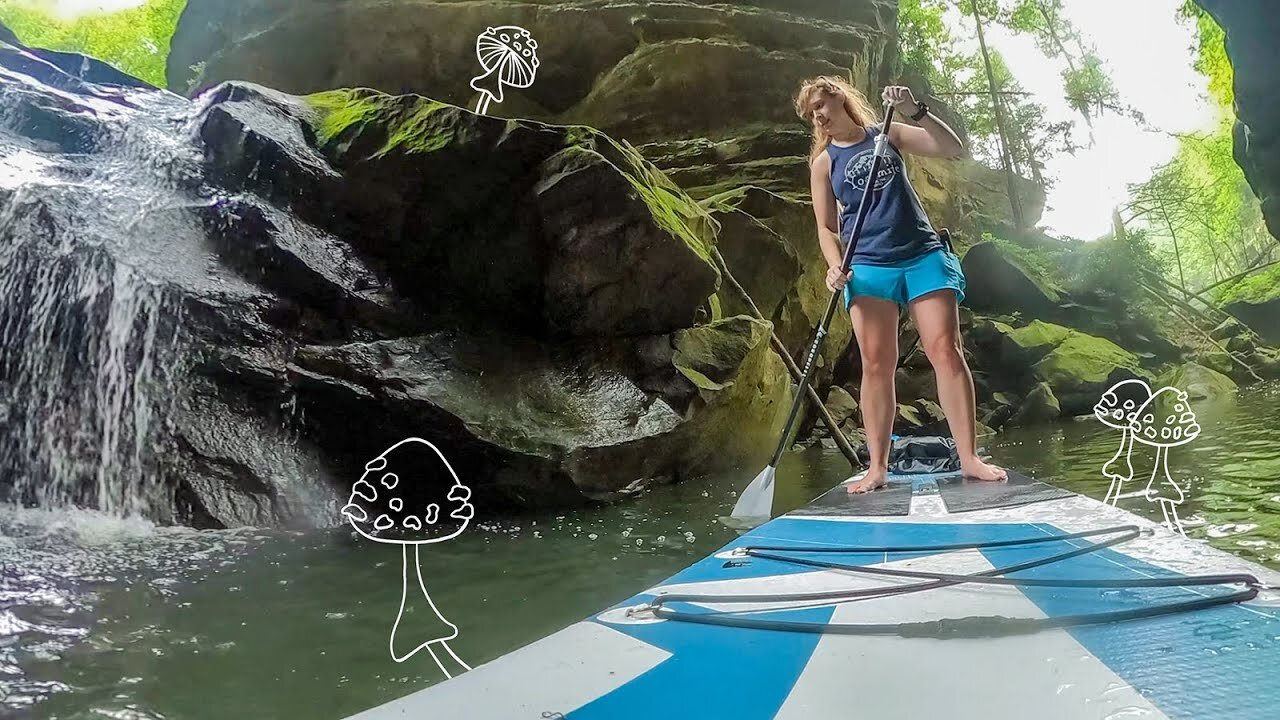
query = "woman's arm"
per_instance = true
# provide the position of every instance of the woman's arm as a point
(933, 138)
(824, 210)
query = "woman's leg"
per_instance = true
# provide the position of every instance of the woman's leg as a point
(875, 325)
(937, 319)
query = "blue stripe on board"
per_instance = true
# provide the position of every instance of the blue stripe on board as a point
(714, 672)
(719, 672)
(1217, 663)
(1209, 664)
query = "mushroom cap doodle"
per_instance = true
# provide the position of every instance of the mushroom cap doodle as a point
(1118, 405)
(511, 48)
(1166, 420)
(412, 491)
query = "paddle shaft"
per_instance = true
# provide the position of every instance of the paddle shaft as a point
(864, 207)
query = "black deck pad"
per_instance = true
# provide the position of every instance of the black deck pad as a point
(892, 499)
(961, 495)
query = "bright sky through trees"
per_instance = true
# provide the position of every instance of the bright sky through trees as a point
(1149, 54)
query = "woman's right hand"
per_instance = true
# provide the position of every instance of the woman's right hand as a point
(836, 279)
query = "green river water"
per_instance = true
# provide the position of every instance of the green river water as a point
(108, 618)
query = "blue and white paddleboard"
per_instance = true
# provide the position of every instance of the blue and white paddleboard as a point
(629, 662)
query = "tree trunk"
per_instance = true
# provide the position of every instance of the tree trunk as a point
(1014, 205)
(1177, 253)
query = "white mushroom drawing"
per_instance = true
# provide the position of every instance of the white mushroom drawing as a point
(1165, 421)
(1116, 408)
(509, 56)
(402, 499)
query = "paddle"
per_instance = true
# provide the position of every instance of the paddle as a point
(755, 505)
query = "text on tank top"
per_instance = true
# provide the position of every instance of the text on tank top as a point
(896, 227)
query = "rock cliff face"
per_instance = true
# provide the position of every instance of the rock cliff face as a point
(267, 290)
(1251, 27)
(703, 90)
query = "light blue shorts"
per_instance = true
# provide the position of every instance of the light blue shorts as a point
(908, 279)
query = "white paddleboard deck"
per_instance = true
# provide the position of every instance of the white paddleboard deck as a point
(1220, 662)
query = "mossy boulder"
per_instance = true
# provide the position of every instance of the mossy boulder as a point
(770, 245)
(1082, 367)
(1255, 300)
(1199, 382)
(1077, 366)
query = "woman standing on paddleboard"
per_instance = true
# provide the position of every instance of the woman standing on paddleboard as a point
(899, 259)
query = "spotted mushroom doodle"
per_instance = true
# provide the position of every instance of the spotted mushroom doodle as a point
(1162, 419)
(410, 496)
(1116, 408)
(1165, 421)
(509, 57)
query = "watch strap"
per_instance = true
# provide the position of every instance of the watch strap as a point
(924, 110)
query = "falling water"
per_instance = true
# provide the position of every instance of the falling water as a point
(88, 330)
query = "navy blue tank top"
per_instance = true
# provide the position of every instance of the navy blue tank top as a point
(896, 227)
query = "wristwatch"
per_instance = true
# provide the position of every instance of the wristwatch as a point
(924, 110)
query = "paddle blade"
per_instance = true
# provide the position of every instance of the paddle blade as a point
(756, 502)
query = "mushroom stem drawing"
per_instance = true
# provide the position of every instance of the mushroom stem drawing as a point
(1165, 421)
(378, 498)
(438, 629)
(1111, 468)
(1116, 408)
(509, 56)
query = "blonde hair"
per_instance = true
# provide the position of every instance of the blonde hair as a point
(855, 104)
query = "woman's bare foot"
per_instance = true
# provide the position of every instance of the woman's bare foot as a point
(875, 478)
(975, 469)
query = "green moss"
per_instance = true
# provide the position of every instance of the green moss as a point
(338, 110)
(135, 40)
(1083, 359)
(1255, 289)
(673, 210)
(1038, 334)
(411, 124)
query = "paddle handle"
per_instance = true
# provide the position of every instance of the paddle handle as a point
(864, 206)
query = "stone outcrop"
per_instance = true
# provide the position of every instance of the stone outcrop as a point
(280, 287)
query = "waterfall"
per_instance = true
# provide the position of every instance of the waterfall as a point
(88, 332)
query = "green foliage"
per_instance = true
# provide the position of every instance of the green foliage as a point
(921, 33)
(135, 40)
(1108, 266)
(1211, 53)
(1201, 214)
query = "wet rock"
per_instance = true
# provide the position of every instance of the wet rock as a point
(534, 424)
(251, 276)
(1039, 406)
(1255, 301)
(841, 405)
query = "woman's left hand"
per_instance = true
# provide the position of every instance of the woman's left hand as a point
(901, 98)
